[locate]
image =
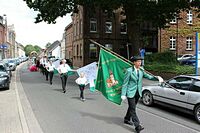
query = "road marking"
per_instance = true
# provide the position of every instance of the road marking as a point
(166, 119)
(24, 124)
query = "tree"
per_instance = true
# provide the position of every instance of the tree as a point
(159, 12)
(37, 48)
(29, 48)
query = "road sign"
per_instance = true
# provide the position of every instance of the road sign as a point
(3, 46)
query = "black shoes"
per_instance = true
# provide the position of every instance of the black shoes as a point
(64, 91)
(139, 128)
(50, 83)
(128, 122)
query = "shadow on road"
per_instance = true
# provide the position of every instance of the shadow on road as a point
(108, 119)
(3, 89)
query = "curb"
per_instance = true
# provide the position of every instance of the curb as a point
(28, 120)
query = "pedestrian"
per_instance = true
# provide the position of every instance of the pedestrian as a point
(132, 90)
(50, 68)
(82, 82)
(63, 69)
(43, 62)
(142, 54)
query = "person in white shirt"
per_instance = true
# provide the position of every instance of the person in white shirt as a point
(43, 62)
(82, 82)
(63, 70)
(50, 69)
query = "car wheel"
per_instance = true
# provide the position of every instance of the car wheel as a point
(147, 98)
(197, 113)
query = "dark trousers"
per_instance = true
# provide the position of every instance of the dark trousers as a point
(81, 87)
(64, 81)
(51, 76)
(131, 112)
(46, 74)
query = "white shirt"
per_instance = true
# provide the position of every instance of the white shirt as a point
(136, 70)
(81, 81)
(64, 68)
(50, 67)
(43, 61)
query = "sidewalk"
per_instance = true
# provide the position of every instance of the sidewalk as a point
(16, 115)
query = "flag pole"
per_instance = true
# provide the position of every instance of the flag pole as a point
(101, 46)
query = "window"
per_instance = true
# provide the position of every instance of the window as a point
(93, 51)
(196, 86)
(123, 28)
(174, 20)
(182, 83)
(77, 29)
(77, 50)
(108, 46)
(108, 27)
(172, 43)
(74, 30)
(93, 25)
(81, 26)
(189, 43)
(81, 49)
(189, 17)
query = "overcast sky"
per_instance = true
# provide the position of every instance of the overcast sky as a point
(27, 32)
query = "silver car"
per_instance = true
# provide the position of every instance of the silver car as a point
(181, 92)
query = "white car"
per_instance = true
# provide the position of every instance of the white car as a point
(184, 57)
(181, 92)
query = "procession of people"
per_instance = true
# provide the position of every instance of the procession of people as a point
(131, 85)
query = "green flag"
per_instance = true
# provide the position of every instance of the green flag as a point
(110, 75)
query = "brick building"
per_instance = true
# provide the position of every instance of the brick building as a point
(109, 31)
(69, 41)
(180, 35)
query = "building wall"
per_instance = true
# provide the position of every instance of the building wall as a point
(180, 30)
(69, 41)
(56, 52)
(62, 48)
(82, 50)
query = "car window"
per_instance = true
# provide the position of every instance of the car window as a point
(195, 86)
(2, 68)
(182, 83)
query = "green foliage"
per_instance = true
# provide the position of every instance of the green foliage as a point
(29, 48)
(167, 68)
(159, 12)
(166, 63)
(166, 57)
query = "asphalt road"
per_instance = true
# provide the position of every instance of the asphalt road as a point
(57, 112)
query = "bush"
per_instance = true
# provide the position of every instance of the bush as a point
(166, 63)
(165, 57)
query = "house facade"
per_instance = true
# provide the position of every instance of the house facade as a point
(107, 30)
(180, 34)
(69, 41)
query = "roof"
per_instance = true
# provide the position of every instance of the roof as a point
(53, 46)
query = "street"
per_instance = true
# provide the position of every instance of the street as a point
(57, 112)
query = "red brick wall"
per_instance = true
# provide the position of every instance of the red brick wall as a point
(182, 30)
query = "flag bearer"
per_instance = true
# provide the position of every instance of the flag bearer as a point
(132, 90)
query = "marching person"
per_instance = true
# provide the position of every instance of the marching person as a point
(43, 62)
(63, 70)
(50, 68)
(132, 90)
(82, 82)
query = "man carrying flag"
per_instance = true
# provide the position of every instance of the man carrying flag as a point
(132, 89)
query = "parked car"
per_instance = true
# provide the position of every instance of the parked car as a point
(184, 56)
(185, 98)
(12, 64)
(189, 61)
(4, 77)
